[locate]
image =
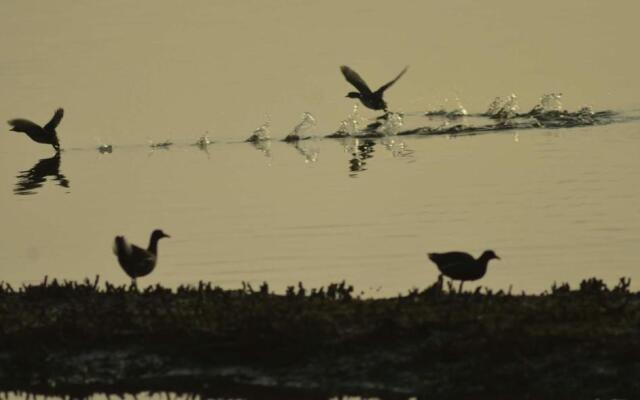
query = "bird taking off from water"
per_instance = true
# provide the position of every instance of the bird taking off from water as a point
(46, 134)
(462, 266)
(134, 260)
(370, 99)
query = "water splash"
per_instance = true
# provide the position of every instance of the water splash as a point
(503, 107)
(203, 142)
(261, 133)
(105, 148)
(353, 124)
(586, 111)
(458, 111)
(548, 102)
(392, 124)
(308, 121)
(444, 110)
(160, 145)
(551, 101)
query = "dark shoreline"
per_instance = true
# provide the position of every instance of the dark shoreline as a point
(77, 339)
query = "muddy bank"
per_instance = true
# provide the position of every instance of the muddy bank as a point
(79, 338)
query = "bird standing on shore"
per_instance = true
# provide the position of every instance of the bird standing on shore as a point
(46, 134)
(134, 260)
(462, 266)
(370, 99)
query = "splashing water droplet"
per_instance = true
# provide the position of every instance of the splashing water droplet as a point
(503, 108)
(203, 141)
(457, 111)
(261, 133)
(105, 148)
(353, 124)
(392, 123)
(551, 102)
(160, 145)
(586, 111)
(308, 121)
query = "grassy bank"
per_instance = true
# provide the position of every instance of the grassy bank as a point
(81, 337)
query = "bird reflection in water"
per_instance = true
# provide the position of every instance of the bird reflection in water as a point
(309, 152)
(32, 179)
(264, 146)
(397, 147)
(361, 150)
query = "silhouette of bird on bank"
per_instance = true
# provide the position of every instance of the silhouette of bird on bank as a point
(370, 99)
(462, 266)
(46, 134)
(134, 260)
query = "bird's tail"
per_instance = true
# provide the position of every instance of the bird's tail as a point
(18, 125)
(121, 246)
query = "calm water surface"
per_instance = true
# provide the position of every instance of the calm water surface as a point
(556, 205)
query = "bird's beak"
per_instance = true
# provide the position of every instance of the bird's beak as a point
(167, 236)
(498, 258)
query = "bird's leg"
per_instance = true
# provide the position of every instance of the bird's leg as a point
(384, 116)
(460, 289)
(134, 284)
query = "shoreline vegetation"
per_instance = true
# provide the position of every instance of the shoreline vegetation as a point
(79, 338)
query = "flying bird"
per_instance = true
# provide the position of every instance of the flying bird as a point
(46, 134)
(370, 99)
(462, 266)
(134, 260)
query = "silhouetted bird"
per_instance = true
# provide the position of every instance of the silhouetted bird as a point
(46, 134)
(136, 261)
(372, 100)
(462, 266)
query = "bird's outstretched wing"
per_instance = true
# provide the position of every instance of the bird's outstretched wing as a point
(356, 80)
(23, 125)
(141, 255)
(387, 85)
(55, 120)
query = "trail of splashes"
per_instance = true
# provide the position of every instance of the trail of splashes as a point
(308, 121)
